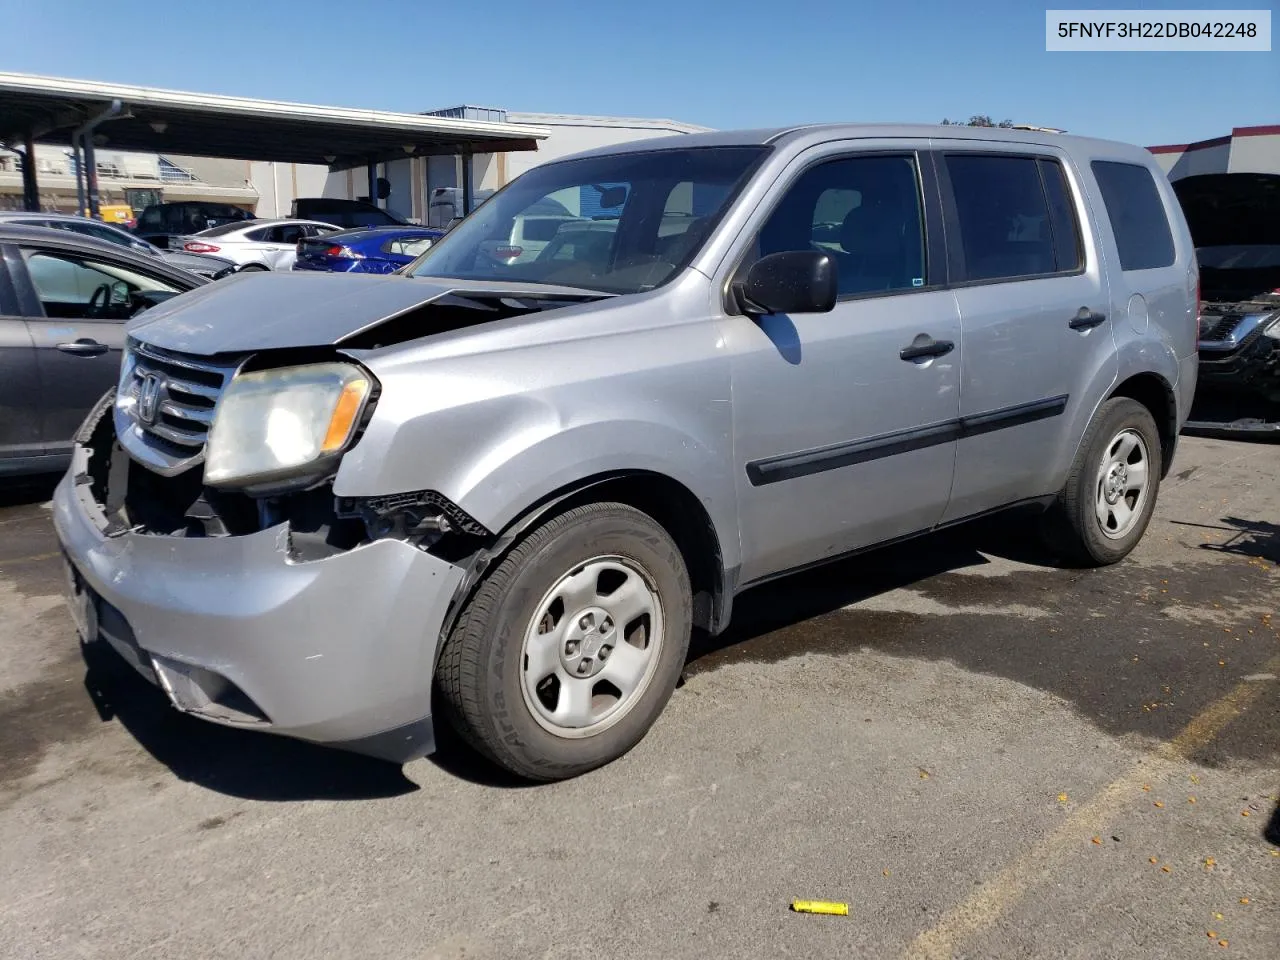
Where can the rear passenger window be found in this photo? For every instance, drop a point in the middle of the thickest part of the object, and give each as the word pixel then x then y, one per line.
pixel 1006 228
pixel 1137 215
pixel 865 213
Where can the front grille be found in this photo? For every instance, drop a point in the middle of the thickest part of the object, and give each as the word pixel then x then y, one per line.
pixel 1216 329
pixel 167 401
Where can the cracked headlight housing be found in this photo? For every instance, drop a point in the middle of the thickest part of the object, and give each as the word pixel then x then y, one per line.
pixel 281 427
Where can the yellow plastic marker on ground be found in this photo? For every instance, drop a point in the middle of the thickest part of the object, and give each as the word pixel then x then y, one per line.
pixel 820 906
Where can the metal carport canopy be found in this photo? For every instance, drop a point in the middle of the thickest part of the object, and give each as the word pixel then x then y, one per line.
pixel 152 120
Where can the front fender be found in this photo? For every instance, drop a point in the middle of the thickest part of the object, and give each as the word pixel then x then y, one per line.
pixel 499 488
pixel 536 458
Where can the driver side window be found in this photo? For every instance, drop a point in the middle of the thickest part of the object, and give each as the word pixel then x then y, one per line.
pixel 864 212
pixel 77 288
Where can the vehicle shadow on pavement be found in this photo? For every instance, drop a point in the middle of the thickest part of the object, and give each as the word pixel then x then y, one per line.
pixel 239 763
pixel 799 597
pixel 1137 649
pixel 454 758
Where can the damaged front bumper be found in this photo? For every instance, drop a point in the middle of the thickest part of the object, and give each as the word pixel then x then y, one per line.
pixel 1240 350
pixel 237 630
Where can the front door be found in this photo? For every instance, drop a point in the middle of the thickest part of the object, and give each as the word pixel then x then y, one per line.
pixel 77 326
pixel 845 421
pixel 19 383
pixel 1034 309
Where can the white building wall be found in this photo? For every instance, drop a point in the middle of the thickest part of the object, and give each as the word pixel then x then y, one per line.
pixel 279 184
pixel 573 134
pixel 399 174
pixel 1167 161
pixel 1255 154
pixel 1200 160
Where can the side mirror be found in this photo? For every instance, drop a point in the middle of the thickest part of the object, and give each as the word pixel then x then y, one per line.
pixel 793 281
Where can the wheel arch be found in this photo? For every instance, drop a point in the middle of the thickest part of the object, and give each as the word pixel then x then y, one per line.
pixel 671 503
pixel 1156 394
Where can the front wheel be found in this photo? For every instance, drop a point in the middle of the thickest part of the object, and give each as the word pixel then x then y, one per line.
pixel 571 647
pixel 1110 494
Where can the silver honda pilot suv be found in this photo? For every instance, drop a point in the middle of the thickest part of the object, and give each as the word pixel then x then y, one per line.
pixel 502 491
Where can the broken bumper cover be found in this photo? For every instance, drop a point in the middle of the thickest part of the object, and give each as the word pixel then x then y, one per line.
pixel 338 651
pixel 1247 360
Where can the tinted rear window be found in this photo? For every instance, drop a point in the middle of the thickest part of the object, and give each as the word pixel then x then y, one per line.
pixel 1005 228
pixel 1137 215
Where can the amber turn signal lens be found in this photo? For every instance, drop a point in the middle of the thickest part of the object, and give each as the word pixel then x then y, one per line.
pixel 345 413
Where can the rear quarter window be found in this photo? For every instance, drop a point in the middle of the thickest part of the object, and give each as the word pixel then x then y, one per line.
pixel 1137 214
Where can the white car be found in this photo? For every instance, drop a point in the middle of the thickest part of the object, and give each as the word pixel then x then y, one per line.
pixel 257 244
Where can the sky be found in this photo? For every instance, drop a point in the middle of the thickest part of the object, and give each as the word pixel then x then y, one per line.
pixel 717 63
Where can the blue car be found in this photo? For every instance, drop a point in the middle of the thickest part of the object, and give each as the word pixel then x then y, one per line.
pixel 365 250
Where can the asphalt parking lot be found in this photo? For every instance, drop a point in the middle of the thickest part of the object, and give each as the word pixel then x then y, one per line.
pixel 984 756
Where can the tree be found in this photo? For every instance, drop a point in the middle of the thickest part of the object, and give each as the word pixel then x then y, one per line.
pixel 977 120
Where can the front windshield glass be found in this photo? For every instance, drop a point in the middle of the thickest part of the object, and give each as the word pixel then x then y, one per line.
pixel 621 223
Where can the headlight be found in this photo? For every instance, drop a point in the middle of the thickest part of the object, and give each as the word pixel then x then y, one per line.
pixel 1272 328
pixel 276 425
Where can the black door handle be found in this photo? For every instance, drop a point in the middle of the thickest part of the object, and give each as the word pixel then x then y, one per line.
pixel 84 347
pixel 924 347
pixel 1087 319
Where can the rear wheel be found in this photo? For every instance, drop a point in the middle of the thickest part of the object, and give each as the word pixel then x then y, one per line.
pixel 253 268
pixel 1110 494
pixel 569 650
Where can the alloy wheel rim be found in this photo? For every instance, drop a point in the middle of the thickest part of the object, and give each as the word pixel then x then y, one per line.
pixel 591 648
pixel 1123 482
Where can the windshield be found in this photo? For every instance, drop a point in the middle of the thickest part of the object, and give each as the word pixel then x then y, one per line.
pixel 621 223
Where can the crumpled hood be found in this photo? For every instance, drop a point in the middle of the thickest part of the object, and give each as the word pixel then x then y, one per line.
pixel 1229 209
pixel 266 311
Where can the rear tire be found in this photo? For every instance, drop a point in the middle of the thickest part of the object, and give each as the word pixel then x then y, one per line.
pixel 570 649
pixel 253 268
pixel 1105 505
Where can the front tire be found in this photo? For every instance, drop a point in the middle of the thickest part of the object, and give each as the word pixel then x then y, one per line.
pixel 1106 504
pixel 570 649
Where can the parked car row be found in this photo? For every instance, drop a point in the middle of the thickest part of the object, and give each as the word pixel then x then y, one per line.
pixel 211 267
pixel 64 302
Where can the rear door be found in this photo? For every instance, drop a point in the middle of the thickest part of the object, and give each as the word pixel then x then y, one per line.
pixel 19 381
pixel 1037 342
pixel 281 245
pixel 77 305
